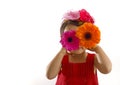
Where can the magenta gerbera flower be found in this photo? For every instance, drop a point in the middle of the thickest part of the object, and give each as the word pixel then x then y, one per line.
pixel 69 40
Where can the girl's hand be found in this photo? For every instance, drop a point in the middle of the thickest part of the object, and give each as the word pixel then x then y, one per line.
pixel 63 50
pixel 93 48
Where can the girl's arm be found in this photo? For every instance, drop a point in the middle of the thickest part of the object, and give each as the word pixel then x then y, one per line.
pixel 55 65
pixel 102 62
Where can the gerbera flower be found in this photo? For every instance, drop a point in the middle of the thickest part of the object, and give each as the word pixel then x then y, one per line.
pixel 71 15
pixel 69 40
pixel 85 16
pixel 88 34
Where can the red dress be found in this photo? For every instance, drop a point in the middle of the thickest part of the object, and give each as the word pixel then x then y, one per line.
pixel 77 73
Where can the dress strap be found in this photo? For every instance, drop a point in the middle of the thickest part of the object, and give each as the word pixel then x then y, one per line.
pixel 65 59
pixel 90 58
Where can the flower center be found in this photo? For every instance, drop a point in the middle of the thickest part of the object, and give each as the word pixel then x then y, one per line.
pixel 87 36
pixel 70 39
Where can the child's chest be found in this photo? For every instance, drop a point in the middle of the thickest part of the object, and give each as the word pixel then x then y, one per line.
pixel 77 69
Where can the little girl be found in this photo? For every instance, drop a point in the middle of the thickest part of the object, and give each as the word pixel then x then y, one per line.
pixel 78 67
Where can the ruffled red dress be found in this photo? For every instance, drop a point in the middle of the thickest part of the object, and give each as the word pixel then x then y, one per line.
pixel 77 73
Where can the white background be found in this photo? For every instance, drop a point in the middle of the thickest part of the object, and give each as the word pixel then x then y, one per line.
pixel 29 37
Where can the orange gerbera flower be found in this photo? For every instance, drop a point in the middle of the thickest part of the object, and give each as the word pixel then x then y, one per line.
pixel 88 34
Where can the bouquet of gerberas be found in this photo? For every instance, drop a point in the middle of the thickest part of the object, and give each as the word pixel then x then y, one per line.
pixel 80 15
pixel 86 35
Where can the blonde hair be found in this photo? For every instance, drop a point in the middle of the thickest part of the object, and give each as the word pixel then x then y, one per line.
pixel 68 22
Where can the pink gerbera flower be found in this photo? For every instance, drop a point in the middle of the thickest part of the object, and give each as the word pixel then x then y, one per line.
pixel 72 15
pixel 69 40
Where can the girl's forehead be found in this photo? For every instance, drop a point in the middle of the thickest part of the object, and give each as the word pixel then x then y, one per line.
pixel 70 27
